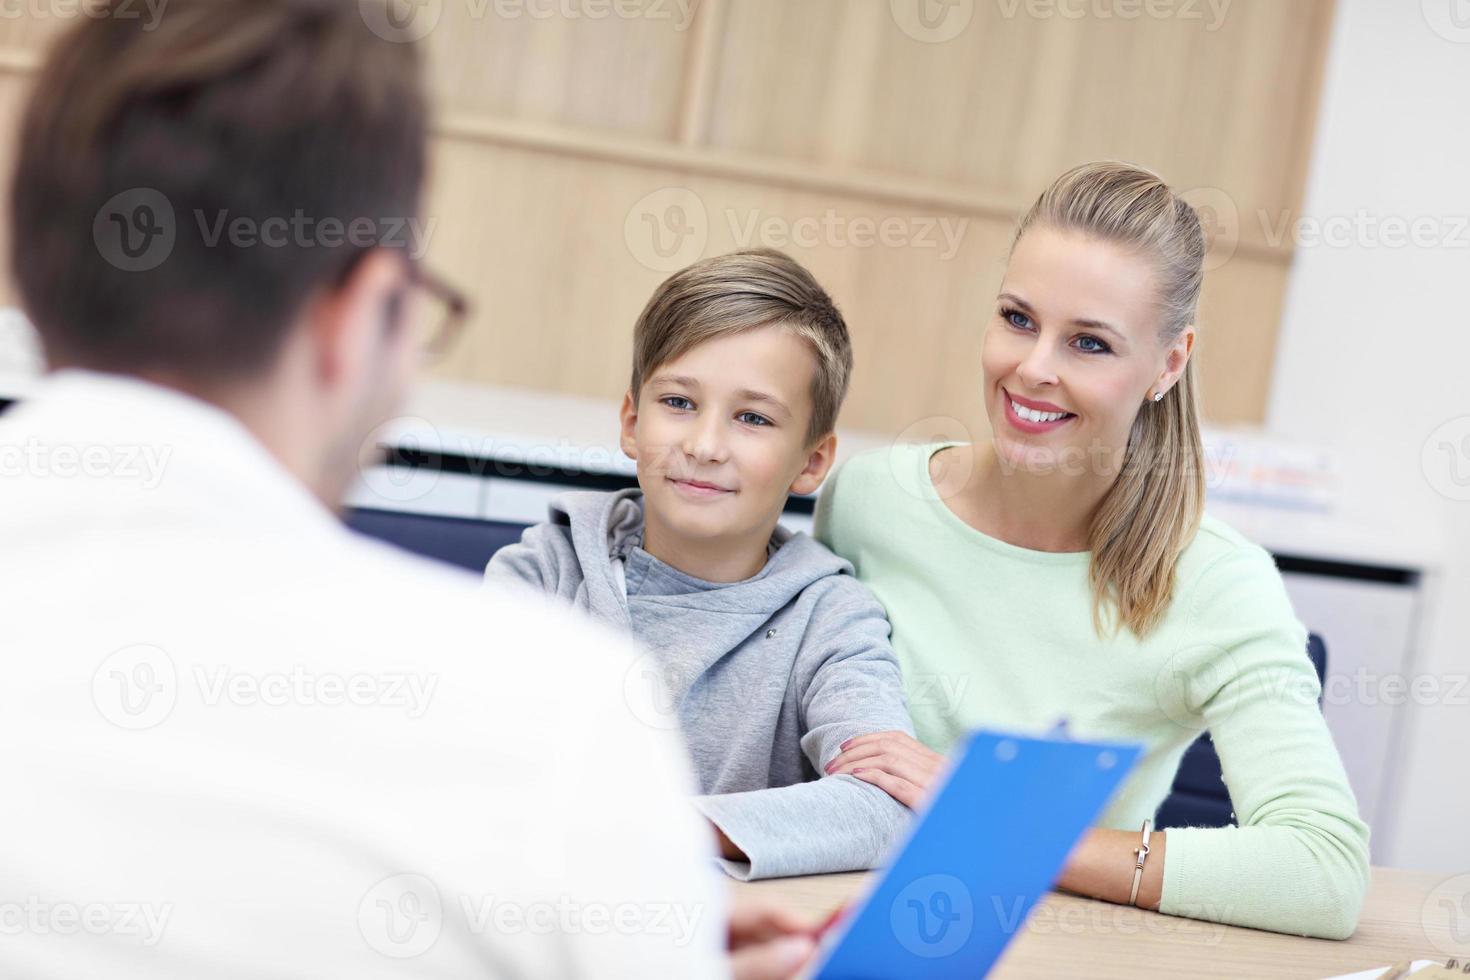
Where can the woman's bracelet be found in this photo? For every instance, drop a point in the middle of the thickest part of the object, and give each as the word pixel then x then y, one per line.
pixel 1142 851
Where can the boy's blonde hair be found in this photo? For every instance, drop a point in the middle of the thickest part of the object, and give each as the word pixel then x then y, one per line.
pixel 1152 511
pixel 742 291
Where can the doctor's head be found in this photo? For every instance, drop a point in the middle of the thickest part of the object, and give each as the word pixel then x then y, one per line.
pixel 226 200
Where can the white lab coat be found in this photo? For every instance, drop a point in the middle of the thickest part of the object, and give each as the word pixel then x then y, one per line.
pixel 240 741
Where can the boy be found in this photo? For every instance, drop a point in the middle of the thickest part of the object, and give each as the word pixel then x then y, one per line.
pixel 771 650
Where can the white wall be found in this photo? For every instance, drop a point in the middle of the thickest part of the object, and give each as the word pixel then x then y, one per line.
pixel 1374 357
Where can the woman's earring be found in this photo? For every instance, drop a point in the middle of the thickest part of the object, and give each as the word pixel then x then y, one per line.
pixel 1158 396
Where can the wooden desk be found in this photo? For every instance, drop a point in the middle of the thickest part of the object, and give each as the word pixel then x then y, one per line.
pixel 1066 936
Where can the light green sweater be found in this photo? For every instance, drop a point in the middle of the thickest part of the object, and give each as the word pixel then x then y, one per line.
pixel 990 634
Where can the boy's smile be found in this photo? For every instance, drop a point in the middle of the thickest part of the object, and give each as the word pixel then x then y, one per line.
pixel 699 490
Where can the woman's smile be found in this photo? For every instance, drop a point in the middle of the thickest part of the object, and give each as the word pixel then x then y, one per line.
pixel 1033 416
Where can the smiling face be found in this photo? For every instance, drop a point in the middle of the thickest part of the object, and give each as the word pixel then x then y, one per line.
pixel 1074 352
pixel 720 435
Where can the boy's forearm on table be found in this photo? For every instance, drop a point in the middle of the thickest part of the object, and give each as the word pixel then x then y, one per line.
pixel 843 823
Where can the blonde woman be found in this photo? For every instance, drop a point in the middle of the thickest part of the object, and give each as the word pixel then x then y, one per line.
pixel 1064 569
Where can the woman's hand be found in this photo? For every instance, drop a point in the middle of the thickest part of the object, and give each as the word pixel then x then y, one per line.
pixel 895 762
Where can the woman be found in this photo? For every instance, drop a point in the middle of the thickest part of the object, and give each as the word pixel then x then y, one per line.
pixel 1065 570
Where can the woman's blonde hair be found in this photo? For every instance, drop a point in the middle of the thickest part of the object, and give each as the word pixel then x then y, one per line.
pixel 1153 509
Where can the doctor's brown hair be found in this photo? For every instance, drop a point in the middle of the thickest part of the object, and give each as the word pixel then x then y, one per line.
pixel 222 110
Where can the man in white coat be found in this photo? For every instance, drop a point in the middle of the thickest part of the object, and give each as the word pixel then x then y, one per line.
pixel 239 740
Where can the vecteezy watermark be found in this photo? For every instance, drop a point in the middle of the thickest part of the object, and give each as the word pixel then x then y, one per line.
pixel 405 437
pixel 1219 219
pixel 136 687
pixel 1445 459
pixel 568 916
pixel 932 21
pixel 139 686
pixel 1366 687
pixel 942 234
pixel 660 688
pixel 1445 916
pixel 1450 19
pixel 933 916
pixel 943 694
pixel 131 920
pixel 1211 13
pixel 141 464
pixel 1202 686
pixel 1104 919
pixel 407 21
pixel 301 230
pixel 1194 677
pixel 401 21
pixel 1098 459
pixel 1223 223
pixel 931 475
pixel 135 230
pixel 1364 229
pixel 403 915
pixel 300 687
pixel 149 11
pixel 669 228
pixel 653 691
pixel 138 229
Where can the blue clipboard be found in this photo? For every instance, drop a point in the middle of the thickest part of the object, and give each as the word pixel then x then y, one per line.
pixel 991 840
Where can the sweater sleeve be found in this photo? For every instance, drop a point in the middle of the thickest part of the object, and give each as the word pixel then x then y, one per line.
pixel 533 561
pixel 848 681
pixel 1298 860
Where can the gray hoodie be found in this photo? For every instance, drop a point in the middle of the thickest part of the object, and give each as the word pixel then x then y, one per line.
pixel 767 677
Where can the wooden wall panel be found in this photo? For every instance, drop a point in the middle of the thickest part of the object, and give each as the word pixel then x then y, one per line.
pixel 1013 101
pixel 1239 311
pixel 564 142
pixel 620 73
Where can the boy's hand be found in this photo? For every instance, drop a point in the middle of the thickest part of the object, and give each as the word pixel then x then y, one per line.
pixel 895 762
pixel 728 849
pixel 767 942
